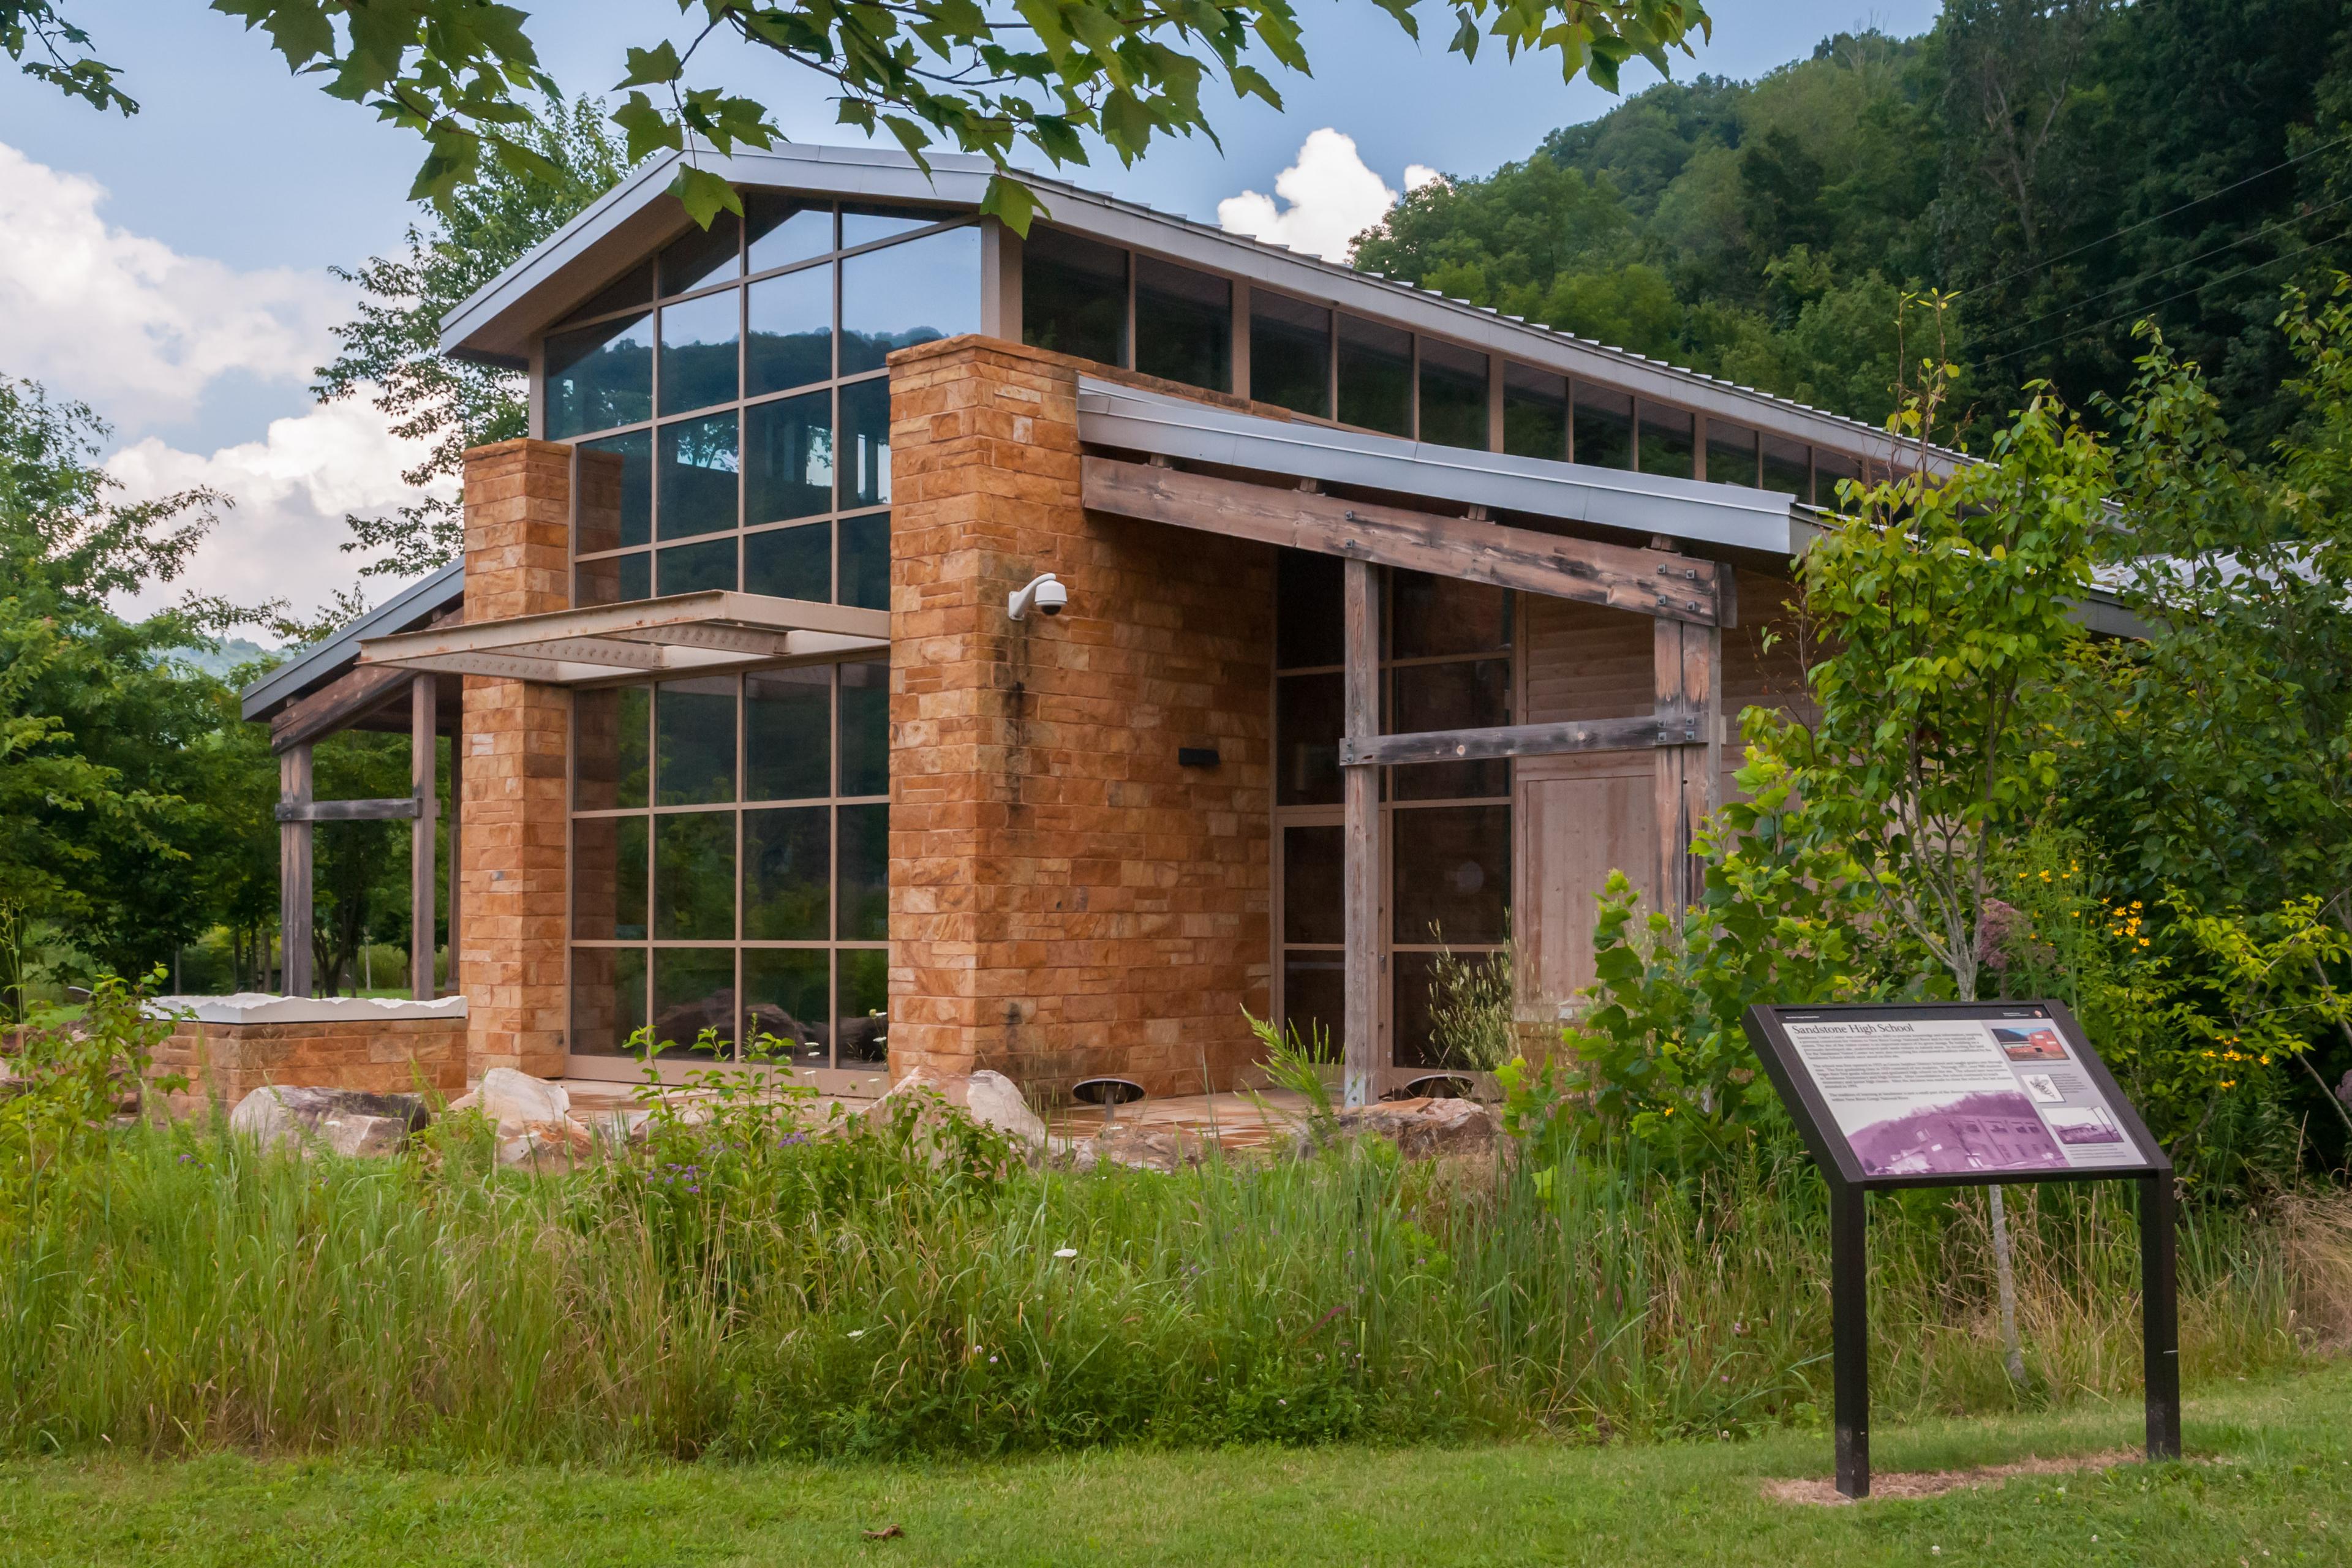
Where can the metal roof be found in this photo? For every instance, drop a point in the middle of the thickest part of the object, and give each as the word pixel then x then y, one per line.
pixel 638 215
pixel 1111 414
pixel 329 656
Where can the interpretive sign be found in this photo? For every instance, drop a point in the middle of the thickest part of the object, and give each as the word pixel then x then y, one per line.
pixel 1952 1095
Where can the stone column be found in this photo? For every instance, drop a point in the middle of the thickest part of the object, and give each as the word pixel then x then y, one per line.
pixel 512 948
pixel 1067 898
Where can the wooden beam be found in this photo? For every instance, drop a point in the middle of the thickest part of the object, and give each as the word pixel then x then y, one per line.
pixel 1360 836
pixel 294 870
pixel 349 697
pixel 424 716
pixel 456 820
pixel 1638 733
pixel 1687 663
pixel 396 809
pixel 1651 582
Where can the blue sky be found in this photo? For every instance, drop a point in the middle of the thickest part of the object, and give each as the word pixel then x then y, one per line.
pixel 170 268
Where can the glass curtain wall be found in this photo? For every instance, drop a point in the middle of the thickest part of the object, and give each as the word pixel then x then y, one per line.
pixel 730 406
pixel 1446 664
pixel 730 863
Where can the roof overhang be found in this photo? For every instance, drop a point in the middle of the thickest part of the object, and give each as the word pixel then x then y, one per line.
pixel 686 633
pixel 438 594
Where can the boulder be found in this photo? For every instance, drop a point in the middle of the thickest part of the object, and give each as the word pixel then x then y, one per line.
pixel 988 1097
pixel 562 1145
pixel 504 1095
pixel 1426 1129
pixel 342 1121
pixel 1134 1148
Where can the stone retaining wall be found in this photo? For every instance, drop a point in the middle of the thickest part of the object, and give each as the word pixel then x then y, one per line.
pixel 236 1045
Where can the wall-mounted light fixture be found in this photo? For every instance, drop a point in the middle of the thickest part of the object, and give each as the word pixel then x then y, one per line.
pixel 1044 592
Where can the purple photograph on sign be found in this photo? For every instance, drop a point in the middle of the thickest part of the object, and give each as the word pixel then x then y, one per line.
pixel 1974 1133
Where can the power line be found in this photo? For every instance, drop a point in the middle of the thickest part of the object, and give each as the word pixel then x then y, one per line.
pixel 2159 217
pixel 2168 299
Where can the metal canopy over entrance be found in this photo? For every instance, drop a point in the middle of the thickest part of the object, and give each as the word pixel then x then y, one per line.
pixel 686 633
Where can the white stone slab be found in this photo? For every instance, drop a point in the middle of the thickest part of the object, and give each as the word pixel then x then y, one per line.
pixel 260 1007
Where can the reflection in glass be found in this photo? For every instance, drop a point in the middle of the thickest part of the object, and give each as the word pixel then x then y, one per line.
pixel 1452 873
pixel 608 878
pixel 697 353
pixel 1314 997
pixel 1605 427
pixel 1074 296
pixel 616 493
pixel 866 727
pixel 865 561
pixel 788 460
pixel 864 878
pixel 1311 911
pixel 1535 412
pixel 788 735
pixel 697 475
pixel 1375 376
pixel 1787 467
pixel 791 331
pixel 864 463
pixel 694 991
pixel 787 874
pixel 1731 453
pixel 1306 725
pixel 791 563
pixel 701 255
pixel 1669 441
pixel 1453 395
pixel 694 733
pixel 865 1006
pixel 608 727
pixel 1290 353
pixel 863 223
pixel 1828 470
pixel 1410 998
pixel 694 876
pixel 1310 600
pixel 613 580
pixel 1446 615
pixel 906 294
pixel 1472 695
pixel 608 999
pixel 697 568
pixel 785 229
pixel 784 997
pixel 633 287
pixel 600 377
pixel 1183 324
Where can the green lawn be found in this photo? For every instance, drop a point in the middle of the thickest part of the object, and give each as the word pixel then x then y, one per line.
pixel 2269 1481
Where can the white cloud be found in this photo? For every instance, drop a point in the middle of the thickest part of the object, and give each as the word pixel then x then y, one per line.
pixel 292 490
pixel 1332 197
pixel 1416 175
pixel 124 322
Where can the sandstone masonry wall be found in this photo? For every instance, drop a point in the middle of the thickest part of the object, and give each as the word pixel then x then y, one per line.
pixel 1066 901
pixel 225 1062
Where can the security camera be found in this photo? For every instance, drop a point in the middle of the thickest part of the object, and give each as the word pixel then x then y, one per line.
pixel 1043 592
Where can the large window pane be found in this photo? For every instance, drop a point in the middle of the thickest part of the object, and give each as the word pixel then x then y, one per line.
pixel 1452 873
pixel 785 229
pixel 697 479
pixel 1310 604
pixel 698 340
pixel 865 561
pixel 633 287
pixel 791 331
pixel 608 878
pixel 616 493
pixel 697 568
pixel 600 376
pixel 613 580
pixel 788 458
pixel 1535 412
pixel 1668 441
pixel 694 876
pixel 906 294
pixel 1306 725
pixel 608 727
pixel 1830 469
pixel 1411 998
pixel 1074 296
pixel 1314 998
pixel 791 563
pixel 1731 453
pixel 1437 616
pixel 866 727
pixel 787 874
pixel 864 466
pixel 785 997
pixel 863 223
pixel 864 872
pixel 1471 695
pixel 694 991
pixel 1453 395
pixel 1290 353
pixel 788 735
pixel 1605 427
pixel 694 732
pixel 1375 376
pixel 1183 324
pixel 1311 910
pixel 1789 467
pixel 608 999
pixel 865 1006
pixel 701 255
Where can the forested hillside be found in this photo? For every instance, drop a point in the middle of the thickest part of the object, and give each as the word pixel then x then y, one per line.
pixel 2066 167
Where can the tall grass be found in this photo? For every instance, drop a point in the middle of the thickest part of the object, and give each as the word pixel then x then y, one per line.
pixel 857 1294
